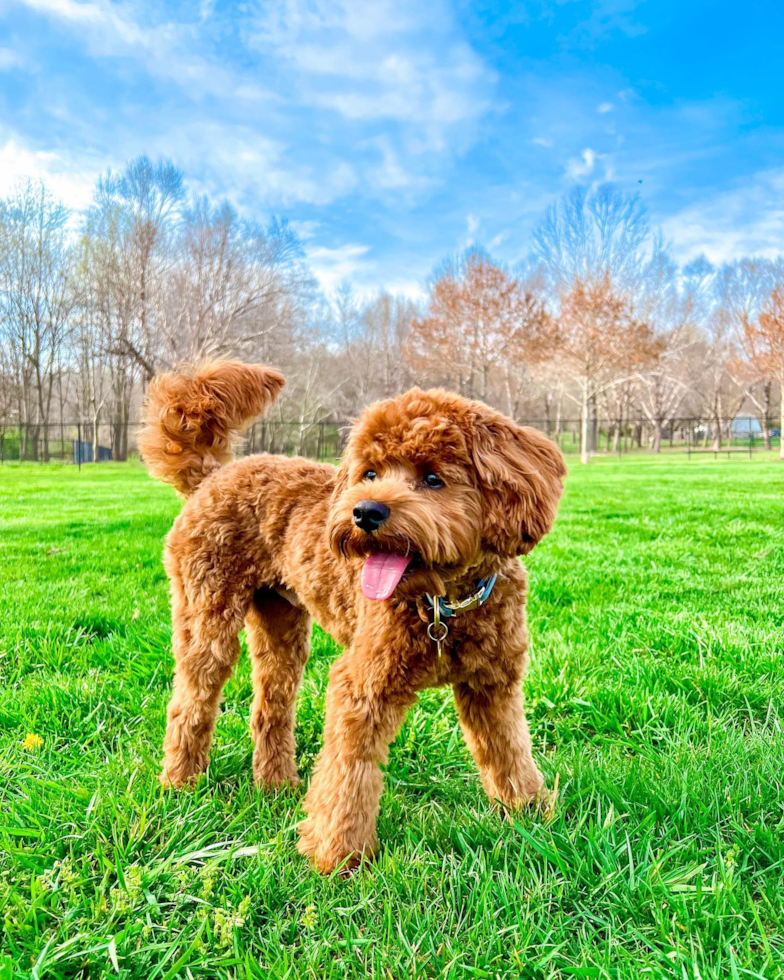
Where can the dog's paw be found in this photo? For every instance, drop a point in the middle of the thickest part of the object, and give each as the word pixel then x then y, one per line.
pixel 172 779
pixel 267 785
pixel 542 802
pixel 327 854
pixel 275 775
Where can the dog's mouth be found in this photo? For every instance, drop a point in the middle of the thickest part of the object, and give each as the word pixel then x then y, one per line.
pixel 383 571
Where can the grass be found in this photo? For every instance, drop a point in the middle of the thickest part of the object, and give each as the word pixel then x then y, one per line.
pixel 655 693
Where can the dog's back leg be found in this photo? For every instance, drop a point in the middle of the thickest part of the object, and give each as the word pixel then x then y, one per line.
pixel 279 639
pixel 206 624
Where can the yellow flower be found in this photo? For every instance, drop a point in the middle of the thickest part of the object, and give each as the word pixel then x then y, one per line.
pixel 32 742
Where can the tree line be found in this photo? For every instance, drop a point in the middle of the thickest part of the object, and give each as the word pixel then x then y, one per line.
pixel 598 321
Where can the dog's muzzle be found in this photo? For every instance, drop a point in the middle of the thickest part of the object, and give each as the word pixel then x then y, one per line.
pixel 369 515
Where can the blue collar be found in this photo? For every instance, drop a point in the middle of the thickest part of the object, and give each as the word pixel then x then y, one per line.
pixel 478 597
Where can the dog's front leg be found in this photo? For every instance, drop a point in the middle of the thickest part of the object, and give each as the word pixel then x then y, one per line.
pixel 497 734
pixel 364 713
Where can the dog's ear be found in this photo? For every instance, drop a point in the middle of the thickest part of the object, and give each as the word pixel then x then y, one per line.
pixel 520 473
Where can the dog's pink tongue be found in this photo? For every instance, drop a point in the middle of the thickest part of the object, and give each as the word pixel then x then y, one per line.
pixel 381 573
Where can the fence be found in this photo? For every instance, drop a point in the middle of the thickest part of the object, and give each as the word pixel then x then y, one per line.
pixel 81 442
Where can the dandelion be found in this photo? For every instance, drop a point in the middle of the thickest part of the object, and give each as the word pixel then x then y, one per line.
pixel 32 742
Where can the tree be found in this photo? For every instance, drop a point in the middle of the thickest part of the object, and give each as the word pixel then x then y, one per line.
pixel 592 236
pixel 596 252
pixel 479 318
pixel 736 290
pixel 141 204
pixel 669 309
pixel 37 297
pixel 765 339
pixel 746 286
pixel 232 287
pixel 599 337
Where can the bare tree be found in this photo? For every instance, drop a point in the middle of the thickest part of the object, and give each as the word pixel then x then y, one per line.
pixel 143 203
pixel 233 288
pixel 670 310
pixel 387 323
pixel 37 296
pixel 593 236
pixel 746 288
pixel 596 251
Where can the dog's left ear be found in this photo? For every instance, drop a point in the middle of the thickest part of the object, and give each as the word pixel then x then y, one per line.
pixel 521 476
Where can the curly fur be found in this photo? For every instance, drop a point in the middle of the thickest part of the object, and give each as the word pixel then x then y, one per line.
pixel 269 542
pixel 190 419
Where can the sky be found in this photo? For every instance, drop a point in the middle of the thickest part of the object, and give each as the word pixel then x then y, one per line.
pixel 393 134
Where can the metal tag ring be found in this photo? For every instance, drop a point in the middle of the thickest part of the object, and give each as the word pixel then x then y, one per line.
pixel 442 637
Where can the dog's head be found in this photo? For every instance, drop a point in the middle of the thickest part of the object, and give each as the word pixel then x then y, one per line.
pixel 431 483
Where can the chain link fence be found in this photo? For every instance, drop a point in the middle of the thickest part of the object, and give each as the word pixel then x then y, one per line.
pixel 83 442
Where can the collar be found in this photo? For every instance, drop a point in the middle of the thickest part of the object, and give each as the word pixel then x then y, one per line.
pixel 478 597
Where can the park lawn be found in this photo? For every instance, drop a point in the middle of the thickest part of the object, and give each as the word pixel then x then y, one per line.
pixel 656 694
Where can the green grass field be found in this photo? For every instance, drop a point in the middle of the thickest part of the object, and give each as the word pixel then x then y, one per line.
pixel 656 692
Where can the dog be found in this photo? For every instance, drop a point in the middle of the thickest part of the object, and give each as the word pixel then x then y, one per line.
pixel 407 554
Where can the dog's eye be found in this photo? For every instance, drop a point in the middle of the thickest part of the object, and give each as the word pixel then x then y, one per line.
pixel 369 475
pixel 432 481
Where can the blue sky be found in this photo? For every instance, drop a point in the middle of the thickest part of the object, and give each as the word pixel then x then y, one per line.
pixel 394 133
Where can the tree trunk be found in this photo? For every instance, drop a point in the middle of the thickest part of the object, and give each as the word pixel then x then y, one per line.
pixel 765 414
pixel 657 434
pixel 585 449
pixel 718 422
pixel 781 420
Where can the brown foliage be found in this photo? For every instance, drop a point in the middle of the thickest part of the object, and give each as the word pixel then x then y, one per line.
pixel 477 318
pixel 600 336
pixel 764 338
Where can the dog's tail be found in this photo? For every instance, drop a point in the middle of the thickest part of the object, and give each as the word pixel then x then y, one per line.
pixel 190 419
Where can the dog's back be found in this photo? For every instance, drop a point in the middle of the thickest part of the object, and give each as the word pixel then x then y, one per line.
pixel 190 419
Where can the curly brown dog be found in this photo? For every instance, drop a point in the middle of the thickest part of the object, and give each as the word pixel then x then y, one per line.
pixel 413 539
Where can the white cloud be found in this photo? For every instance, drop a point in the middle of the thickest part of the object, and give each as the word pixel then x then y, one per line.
pixel 401 61
pixel 604 107
pixel 390 173
pixel 542 141
pixel 396 64
pixel 411 288
pixel 69 180
pixel 331 266
pixel 748 219
pixel 10 59
pixel 164 49
pixel 236 162
pixel 305 230
pixel 583 165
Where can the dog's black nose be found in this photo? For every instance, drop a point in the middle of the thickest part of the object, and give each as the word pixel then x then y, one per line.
pixel 369 515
